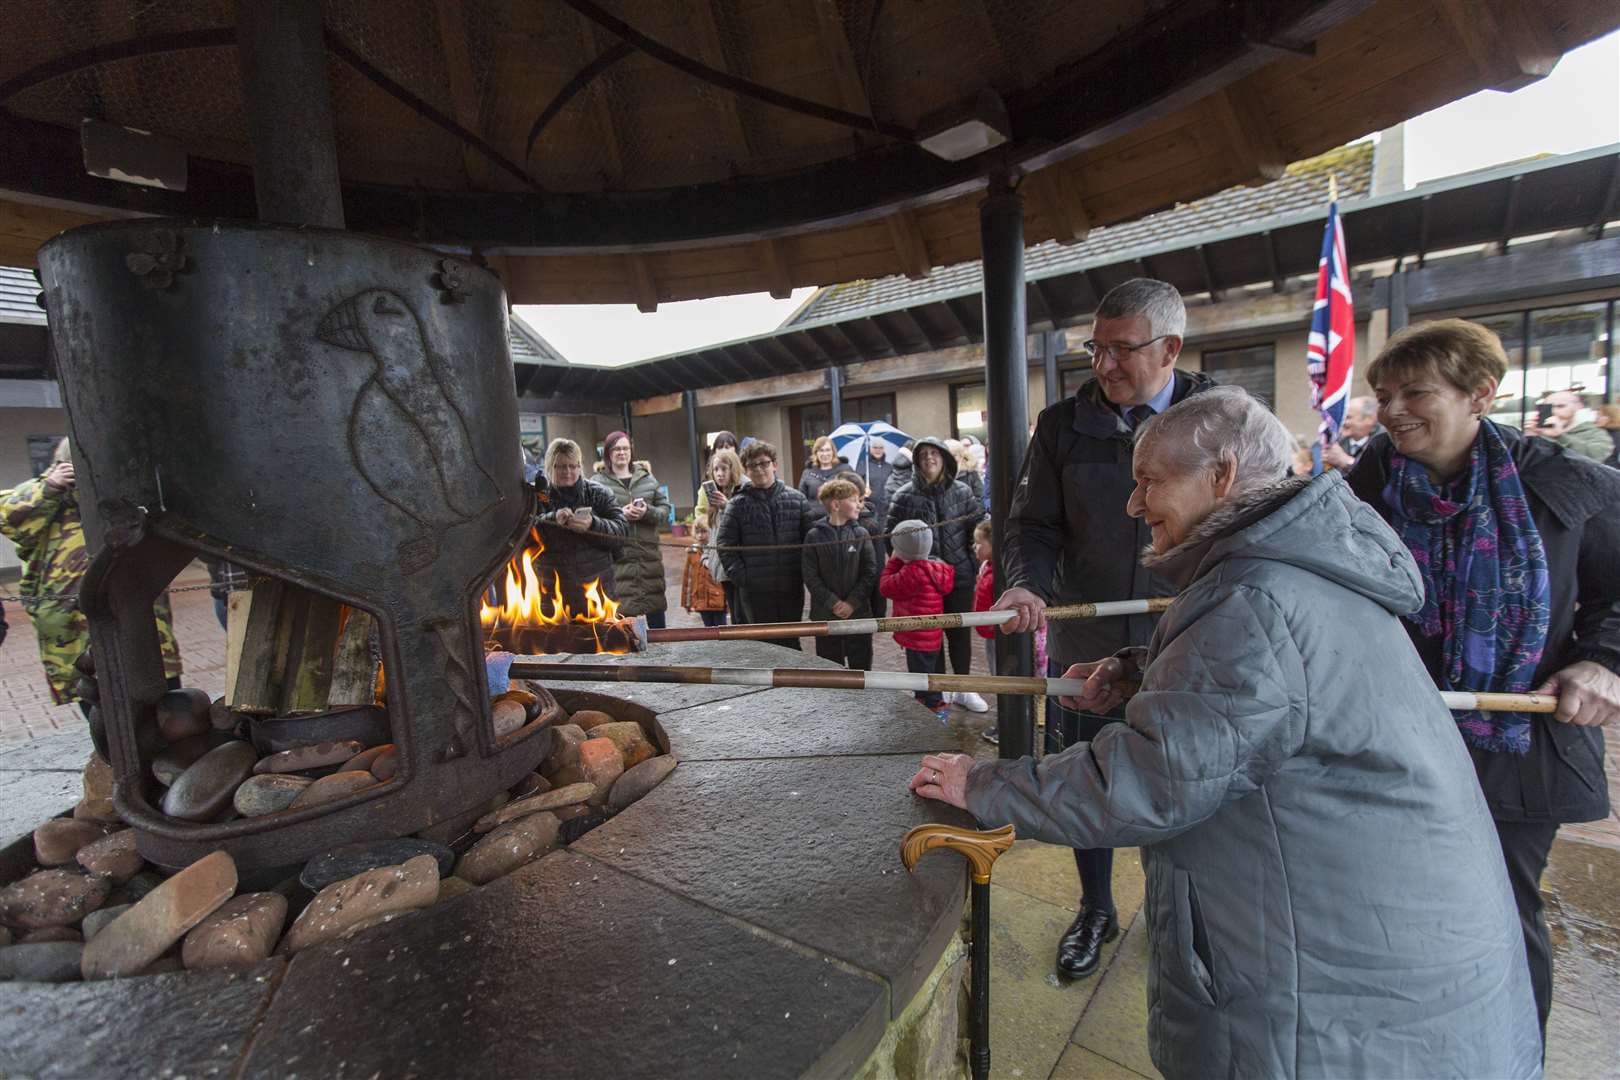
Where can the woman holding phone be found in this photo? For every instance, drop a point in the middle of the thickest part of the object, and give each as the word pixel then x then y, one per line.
pixel 580 524
pixel 639 567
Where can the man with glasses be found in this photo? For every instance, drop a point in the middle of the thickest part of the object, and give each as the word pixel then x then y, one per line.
pixel 773 517
pixel 1069 539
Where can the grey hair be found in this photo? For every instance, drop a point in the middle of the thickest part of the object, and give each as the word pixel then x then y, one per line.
pixel 561 448
pixel 1157 300
pixel 1364 405
pixel 1224 422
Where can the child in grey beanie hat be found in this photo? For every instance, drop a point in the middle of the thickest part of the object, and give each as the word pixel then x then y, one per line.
pixel 912 539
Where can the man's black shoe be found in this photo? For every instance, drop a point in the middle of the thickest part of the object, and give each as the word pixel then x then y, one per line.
pixel 1080 948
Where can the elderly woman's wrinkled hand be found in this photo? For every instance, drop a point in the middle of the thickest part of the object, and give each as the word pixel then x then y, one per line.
pixel 1588 694
pixel 1104 689
pixel 943 777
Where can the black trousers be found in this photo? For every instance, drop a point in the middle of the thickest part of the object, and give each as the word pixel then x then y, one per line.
pixel 713 618
pixel 1064 728
pixel 959 642
pixel 925 663
pixel 773 606
pixel 853 651
pixel 1525 847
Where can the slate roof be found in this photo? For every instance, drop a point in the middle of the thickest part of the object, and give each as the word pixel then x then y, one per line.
pixel 1304 186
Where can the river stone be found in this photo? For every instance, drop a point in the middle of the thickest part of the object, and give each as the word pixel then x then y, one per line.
pixel 587 719
pixel 530 703
pixel 638 780
pixel 546 800
pixel 629 738
pixel 267 793
pixel 331 788
pixel 52 898
pixel 565 740
pixel 310 757
pixel 182 714
pixel 56 841
pixel 98 778
pixel 161 918
pixel 507 717
pixel 452 887
pixel 177 757
pixel 572 774
pixel 102 810
pixel 136 888
pixel 343 905
pixel 48 962
pixel 365 758
pixel 50 933
pixel 241 933
pixel 509 847
pixel 566 814
pixel 602 764
pixel 221 717
pixel 533 784
pixel 97 920
pixel 578 827
pixel 386 765
pixel 203 792
pixel 113 856
pixel 351 859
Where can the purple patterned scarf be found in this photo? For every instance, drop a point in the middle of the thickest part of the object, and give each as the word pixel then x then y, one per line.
pixel 1485 585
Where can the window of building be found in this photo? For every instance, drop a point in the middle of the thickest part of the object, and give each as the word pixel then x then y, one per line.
pixel 41 448
pixel 1254 368
pixel 1072 379
pixel 807 423
pixel 970 411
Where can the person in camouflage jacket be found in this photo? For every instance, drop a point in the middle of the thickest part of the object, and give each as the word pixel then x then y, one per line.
pixel 41 517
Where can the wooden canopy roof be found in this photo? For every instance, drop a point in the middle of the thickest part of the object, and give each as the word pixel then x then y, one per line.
pixel 655 150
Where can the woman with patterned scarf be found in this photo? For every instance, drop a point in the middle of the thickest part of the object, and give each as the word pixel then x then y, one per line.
pixel 1518 544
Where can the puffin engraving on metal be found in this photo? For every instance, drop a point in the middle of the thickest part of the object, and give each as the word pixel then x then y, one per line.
pixel 451 282
pixel 458 676
pixel 161 257
pixel 405 425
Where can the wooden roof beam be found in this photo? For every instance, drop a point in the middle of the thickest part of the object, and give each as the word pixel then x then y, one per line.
pixel 1507 40
pixel 452 21
pixel 1272 263
pixel 910 316
pixel 840 59
pixel 909 246
pixel 1249 136
pixel 1057 197
pixel 589 48
pixel 639 273
pixel 773 264
pixel 1043 304
pixel 705 29
pixel 1510 214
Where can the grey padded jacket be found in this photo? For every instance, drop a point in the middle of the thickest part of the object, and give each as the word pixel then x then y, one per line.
pixel 1325 890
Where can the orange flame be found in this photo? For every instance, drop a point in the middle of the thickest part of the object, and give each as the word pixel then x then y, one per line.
pixel 527 608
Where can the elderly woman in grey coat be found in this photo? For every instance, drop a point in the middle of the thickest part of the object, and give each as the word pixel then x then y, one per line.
pixel 1325 894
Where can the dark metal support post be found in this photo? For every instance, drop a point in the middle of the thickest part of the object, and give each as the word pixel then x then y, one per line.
pixel 694 448
pixel 1525 327
pixel 624 418
pixel 835 394
pixel 1399 315
pixel 281 49
pixel 1608 343
pixel 1006 378
pixel 1054 386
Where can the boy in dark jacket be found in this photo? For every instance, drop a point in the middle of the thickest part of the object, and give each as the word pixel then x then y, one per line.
pixel 839 568
pixel 919 585
pixel 773 517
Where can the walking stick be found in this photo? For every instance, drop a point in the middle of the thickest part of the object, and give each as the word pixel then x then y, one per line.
pixel 895 624
pixel 980 849
pixel 534 667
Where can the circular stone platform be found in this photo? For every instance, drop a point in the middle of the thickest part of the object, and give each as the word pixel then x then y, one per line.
pixel 749 917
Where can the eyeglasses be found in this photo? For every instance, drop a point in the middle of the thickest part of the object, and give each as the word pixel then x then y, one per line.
pixel 762 465
pixel 1117 352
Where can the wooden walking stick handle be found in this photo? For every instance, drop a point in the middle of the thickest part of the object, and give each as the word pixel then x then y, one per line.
pixel 979 847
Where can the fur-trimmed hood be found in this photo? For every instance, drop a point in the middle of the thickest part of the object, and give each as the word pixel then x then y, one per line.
pixel 1315 523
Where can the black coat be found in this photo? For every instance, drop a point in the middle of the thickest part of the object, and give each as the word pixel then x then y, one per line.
pixel 762 516
pixel 899 477
pixel 943 500
pixel 846 571
pixel 876 474
pixel 1068 539
pixel 577 557
pixel 1575 503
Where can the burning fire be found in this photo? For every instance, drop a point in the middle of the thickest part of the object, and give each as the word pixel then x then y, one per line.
pixel 531 618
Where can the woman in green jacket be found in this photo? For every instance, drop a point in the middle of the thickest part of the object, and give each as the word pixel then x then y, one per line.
pixel 639 567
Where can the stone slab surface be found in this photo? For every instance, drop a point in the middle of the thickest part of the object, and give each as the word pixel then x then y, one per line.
pixel 807 848
pixel 68 750
pixel 28 798
pixel 567 968
pixel 192 1024
pixel 784 723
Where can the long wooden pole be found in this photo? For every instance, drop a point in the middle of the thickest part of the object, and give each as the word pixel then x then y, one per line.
pixel 895 624
pixel 533 667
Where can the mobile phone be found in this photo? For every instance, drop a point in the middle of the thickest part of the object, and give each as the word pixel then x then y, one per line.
pixel 1544 412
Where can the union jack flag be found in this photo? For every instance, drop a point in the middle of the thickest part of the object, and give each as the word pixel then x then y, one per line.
pixel 1330 355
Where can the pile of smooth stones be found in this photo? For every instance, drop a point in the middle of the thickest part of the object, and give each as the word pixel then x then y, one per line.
pixel 90 907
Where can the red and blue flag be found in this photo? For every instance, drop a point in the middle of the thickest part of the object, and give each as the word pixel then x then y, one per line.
pixel 1331 352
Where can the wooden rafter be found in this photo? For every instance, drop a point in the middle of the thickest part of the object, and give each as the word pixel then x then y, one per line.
pixel 639 273
pixel 1507 40
pixel 1251 140
pixel 590 46
pixel 452 19
pixel 1057 197
pixel 840 59
pixel 705 27
pixel 773 264
pixel 909 246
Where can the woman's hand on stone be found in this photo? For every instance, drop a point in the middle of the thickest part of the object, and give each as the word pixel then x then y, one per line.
pixel 1104 689
pixel 1030 611
pixel 1588 694
pixel 943 777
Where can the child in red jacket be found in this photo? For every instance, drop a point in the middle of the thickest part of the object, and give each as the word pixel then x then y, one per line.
pixel 918 585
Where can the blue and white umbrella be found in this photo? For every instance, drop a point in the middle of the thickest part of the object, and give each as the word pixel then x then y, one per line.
pixel 854 441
